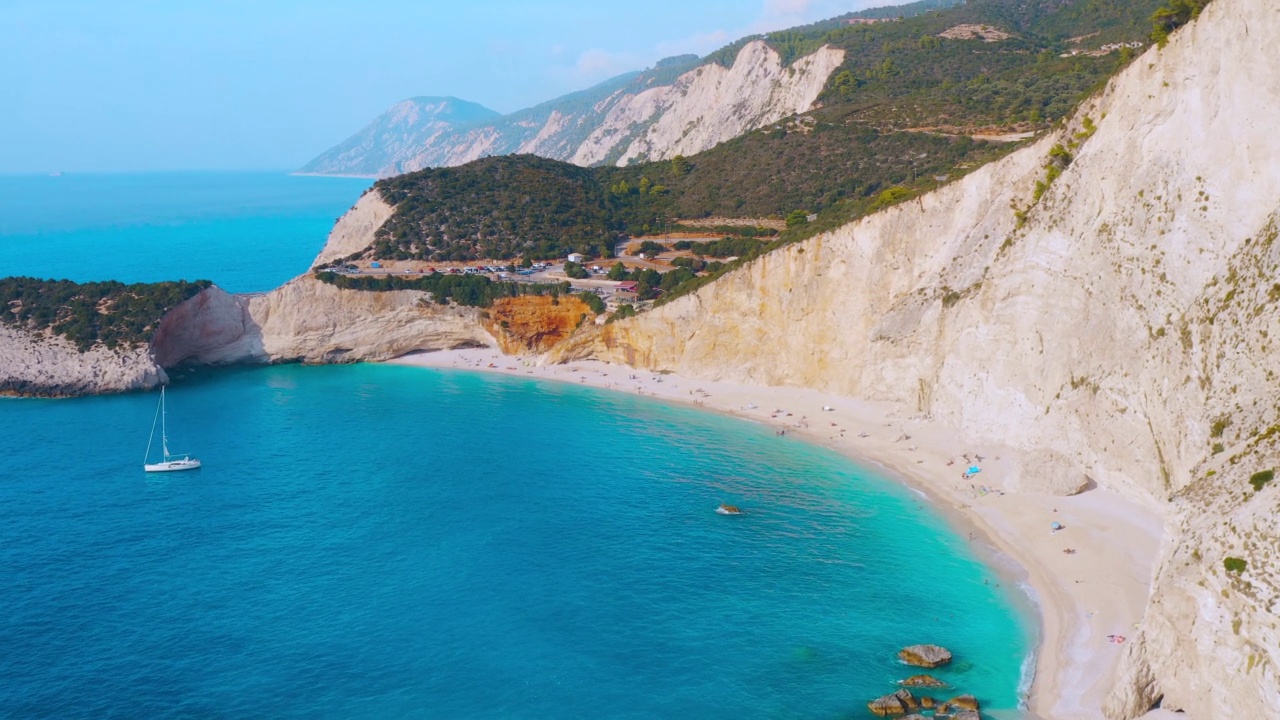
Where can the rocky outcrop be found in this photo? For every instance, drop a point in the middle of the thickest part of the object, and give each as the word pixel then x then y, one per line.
pixel 303 321
pixel 310 321
pixel 1118 330
pixel 960 702
pixel 893 704
pixel 926 656
pixel 713 104
pixel 925 681
pixel 534 323
pixel 355 230
pixel 212 328
pixel 43 364
pixel 681 106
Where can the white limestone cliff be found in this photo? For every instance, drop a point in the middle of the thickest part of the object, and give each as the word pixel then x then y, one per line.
pixel 48 365
pixel 1100 339
pixel 713 104
pixel 355 229
pixel 650 116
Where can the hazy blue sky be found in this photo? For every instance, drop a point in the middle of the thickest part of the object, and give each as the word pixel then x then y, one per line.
pixel 148 85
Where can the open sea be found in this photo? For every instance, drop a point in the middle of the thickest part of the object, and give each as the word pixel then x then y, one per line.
pixel 393 542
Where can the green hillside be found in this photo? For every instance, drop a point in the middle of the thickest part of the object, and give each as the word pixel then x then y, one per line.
pixel 904 113
pixel 110 313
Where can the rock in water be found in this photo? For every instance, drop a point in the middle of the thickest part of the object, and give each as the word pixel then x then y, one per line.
pixel 928 656
pixel 963 702
pixel 928 681
pixel 895 704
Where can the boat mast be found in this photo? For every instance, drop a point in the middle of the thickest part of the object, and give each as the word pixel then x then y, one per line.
pixel 164 432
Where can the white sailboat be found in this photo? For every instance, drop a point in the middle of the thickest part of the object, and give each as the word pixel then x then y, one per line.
pixel 170 462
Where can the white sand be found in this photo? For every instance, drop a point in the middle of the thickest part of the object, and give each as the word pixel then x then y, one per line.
pixel 1099 590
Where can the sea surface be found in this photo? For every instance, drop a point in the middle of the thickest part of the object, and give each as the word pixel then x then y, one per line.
pixel 248 232
pixel 385 541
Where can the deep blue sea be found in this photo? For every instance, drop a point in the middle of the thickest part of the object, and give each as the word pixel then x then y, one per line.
pixel 249 232
pixel 394 542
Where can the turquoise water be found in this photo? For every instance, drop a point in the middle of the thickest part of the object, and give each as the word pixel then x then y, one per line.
pixel 384 541
pixel 249 232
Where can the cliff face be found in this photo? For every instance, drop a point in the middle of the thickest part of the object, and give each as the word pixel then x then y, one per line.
pixel 712 104
pixel 1101 338
pixel 48 365
pixel 679 107
pixel 355 229
pixel 534 323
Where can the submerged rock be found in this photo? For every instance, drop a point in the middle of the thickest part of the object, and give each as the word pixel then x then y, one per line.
pixel 962 702
pixel 928 681
pixel 897 703
pixel 928 656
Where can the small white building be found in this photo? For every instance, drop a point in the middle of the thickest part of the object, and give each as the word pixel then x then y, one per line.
pixel 576 257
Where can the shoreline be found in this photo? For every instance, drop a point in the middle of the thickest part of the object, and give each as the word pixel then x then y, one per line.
pixel 1078 599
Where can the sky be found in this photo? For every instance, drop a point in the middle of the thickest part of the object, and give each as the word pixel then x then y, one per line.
pixel 134 85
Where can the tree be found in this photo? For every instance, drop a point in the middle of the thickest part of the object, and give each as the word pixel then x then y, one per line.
pixel 576 271
pixel 797 217
pixel 617 272
pixel 680 166
pixel 1173 16
pixel 649 248
pixel 845 83
pixel 645 185
pixel 525 262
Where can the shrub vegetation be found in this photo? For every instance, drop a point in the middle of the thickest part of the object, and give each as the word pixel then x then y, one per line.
pixel 109 313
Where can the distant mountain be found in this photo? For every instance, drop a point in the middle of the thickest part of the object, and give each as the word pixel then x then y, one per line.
pixel 683 105
pixel 898 68
pixel 409 125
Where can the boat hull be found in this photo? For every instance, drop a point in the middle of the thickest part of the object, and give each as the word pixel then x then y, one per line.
pixel 172 466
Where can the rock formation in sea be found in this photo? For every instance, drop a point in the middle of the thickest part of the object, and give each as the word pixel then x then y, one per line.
pixel 926 656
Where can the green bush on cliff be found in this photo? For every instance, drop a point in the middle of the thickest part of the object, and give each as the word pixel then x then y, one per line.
pixel 1235 565
pixel 109 313
pixel 1173 16
pixel 1259 480
pixel 593 301
pixel 465 290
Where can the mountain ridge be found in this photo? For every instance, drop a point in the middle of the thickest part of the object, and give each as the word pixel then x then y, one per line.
pixel 601 123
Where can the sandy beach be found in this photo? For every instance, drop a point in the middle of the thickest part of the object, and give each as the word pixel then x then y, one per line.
pixel 1089 580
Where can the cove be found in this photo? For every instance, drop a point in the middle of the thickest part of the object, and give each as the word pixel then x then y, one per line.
pixel 385 541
